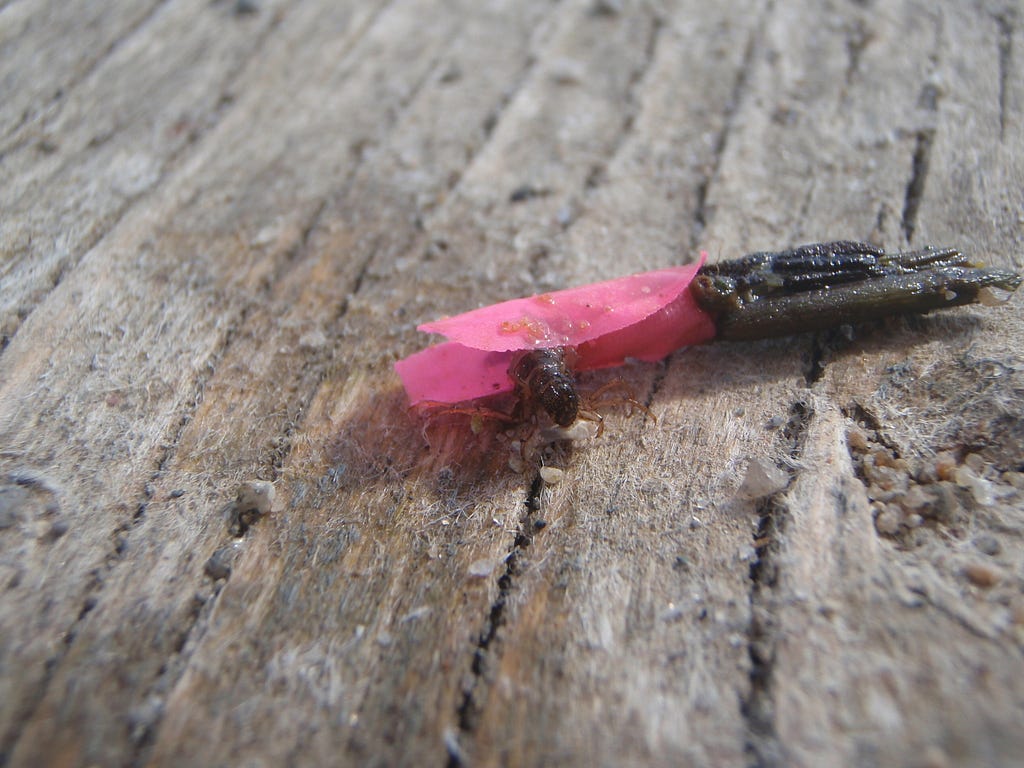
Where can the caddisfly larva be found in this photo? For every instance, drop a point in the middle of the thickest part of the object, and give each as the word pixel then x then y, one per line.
pixel 535 346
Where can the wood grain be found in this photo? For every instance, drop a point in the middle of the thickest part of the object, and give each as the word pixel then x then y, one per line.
pixel 222 223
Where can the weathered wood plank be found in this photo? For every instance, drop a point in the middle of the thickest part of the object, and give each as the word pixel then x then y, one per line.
pixel 142 318
pixel 112 136
pixel 235 317
pixel 47 48
pixel 426 526
pixel 870 615
pixel 841 616
pixel 633 552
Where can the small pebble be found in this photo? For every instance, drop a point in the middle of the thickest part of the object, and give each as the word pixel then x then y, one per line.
pixel 976 462
pixel 988 544
pixel 881 469
pixel 913 521
pixel 254 499
pixel 565 71
pixel 480 569
pixel 565 216
pixel 945 466
pixel 883 458
pixel 945 504
pixel 856 439
pixel 256 496
pixel 914 498
pixel 980 575
pixel 763 478
pixel 980 488
pixel 314 339
pixel 887 522
pixel 551 475
pixel 219 564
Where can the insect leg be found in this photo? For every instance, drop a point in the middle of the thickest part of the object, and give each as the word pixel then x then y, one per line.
pixel 432 409
pixel 626 396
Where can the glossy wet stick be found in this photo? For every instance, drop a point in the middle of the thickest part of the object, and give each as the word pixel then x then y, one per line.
pixel 830 284
pixel 535 345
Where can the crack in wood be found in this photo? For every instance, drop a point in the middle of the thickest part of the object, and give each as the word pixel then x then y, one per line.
pixel 597 172
pixel 660 372
pixel 453 180
pixel 857 39
pixel 862 416
pixel 823 345
pixel 493 118
pixel 915 186
pixel 1005 23
pixel 928 100
pixel 467 714
pixel 146 721
pixel 764 747
pixel 739 89
pixel 816 365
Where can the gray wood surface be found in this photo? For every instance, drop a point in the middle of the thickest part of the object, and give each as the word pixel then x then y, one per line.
pixel 220 223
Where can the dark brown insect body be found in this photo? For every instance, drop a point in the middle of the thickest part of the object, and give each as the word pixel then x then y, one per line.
pixel 545 377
